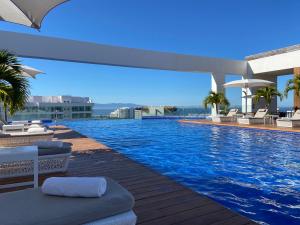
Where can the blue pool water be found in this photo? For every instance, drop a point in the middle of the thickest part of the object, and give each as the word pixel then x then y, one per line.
pixel 254 172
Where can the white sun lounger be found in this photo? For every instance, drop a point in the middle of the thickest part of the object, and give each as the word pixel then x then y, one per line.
pixel 24 122
pixel 290 122
pixel 31 206
pixel 259 118
pixel 12 128
pixel 228 118
pixel 24 138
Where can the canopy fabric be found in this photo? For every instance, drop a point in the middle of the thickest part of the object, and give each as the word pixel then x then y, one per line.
pixel 30 72
pixel 248 83
pixel 29 13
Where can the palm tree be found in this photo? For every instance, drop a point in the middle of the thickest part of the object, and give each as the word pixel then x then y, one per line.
pixel 267 93
pixel 170 109
pixel 14 88
pixel 10 60
pixel 215 99
pixel 293 85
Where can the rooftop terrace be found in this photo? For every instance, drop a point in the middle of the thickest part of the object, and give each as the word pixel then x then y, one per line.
pixel 159 200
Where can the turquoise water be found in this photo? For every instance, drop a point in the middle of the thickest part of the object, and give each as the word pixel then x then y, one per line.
pixel 253 172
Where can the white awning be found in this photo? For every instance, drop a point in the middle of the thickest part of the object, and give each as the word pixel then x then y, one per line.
pixel 248 83
pixel 28 71
pixel 27 12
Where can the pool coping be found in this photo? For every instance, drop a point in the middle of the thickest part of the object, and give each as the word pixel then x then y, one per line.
pixel 236 125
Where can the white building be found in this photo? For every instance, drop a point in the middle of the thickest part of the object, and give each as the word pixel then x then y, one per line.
pixel 153 111
pixel 123 113
pixel 55 107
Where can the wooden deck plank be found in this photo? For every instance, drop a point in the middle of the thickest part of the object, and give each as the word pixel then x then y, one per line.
pixel 159 200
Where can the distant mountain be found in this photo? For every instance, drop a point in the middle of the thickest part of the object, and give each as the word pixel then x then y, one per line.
pixel 113 106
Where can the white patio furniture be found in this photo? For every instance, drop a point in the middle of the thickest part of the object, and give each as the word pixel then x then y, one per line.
pixel 258 118
pixel 26 123
pixel 271 119
pixel 24 138
pixel 18 161
pixel 54 156
pixel 20 122
pixel 12 128
pixel 50 160
pixel 290 122
pixel 113 208
pixel 230 117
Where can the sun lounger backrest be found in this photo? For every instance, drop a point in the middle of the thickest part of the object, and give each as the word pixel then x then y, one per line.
pixel 18 122
pixel 296 115
pixel 261 113
pixel 1 124
pixel 232 112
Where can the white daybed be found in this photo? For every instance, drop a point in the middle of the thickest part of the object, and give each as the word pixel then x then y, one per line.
pixel 25 138
pixel 7 128
pixel 259 118
pixel 290 122
pixel 230 117
pixel 31 206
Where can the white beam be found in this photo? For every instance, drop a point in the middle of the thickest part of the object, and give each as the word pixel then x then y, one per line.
pixel 33 46
pixel 279 64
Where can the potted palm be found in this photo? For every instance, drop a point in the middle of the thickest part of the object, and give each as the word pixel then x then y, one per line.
pixel 170 110
pixel 215 100
pixel 294 85
pixel 14 87
pixel 267 93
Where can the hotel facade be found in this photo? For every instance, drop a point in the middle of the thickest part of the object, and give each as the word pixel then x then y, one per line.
pixel 54 107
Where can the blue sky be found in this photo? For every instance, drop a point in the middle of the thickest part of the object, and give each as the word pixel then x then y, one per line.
pixel 217 28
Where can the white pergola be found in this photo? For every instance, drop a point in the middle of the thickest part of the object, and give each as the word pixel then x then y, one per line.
pixel 33 46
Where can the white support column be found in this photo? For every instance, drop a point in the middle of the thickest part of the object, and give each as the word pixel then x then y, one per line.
pixel 217 82
pixel 246 96
pixel 247 100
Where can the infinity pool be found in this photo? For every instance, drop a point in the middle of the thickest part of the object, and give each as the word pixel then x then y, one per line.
pixel 253 172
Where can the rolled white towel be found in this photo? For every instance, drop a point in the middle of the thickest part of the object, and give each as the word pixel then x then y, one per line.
pixel 36 130
pixel 49 144
pixel 87 187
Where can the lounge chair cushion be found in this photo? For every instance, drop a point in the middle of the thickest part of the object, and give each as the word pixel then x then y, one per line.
pixel 36 130
pixel 32 207
pixel 66 148
pixel 36 122
pixel 49 144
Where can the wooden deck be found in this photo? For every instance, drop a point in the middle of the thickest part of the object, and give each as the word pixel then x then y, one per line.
pixel 235 124
pixel 159 200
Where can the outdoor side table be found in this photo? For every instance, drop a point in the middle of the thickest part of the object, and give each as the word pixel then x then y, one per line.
pixel 271 118
pixel 16 156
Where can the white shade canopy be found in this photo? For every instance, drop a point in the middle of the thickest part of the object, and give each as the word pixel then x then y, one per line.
pixel 248 83
pixel 27 12
pixel 28 71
